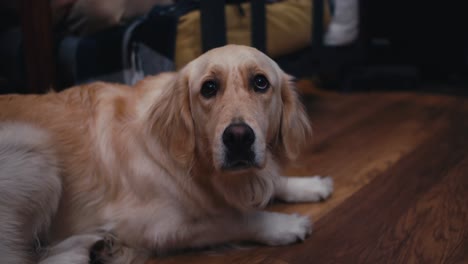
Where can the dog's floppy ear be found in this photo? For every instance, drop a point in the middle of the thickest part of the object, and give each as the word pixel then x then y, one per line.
pixel 295 125
pixel 172 120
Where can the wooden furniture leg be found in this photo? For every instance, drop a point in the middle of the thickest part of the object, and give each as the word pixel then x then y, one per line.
pixel 38 45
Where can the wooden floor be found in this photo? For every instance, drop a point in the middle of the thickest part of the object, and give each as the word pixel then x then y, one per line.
pixel 400 166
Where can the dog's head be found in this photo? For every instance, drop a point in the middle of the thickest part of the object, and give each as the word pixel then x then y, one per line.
pixel 234 106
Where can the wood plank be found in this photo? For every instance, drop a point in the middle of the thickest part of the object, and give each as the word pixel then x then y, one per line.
pixel 356 231
pixel 434 229
pixel 365 149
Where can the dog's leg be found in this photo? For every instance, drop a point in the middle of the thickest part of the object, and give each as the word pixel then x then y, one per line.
pixel 96 248
pixel 30 190
pixel 257 226
pixel 82 249
pixel 304 189
pixel 264 227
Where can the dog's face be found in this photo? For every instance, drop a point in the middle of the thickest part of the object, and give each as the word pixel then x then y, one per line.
pixel 236 105
pixel 242 107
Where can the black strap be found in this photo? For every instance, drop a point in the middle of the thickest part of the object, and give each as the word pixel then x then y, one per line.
pixel 317 23
pixel 213 24
pixel 258 24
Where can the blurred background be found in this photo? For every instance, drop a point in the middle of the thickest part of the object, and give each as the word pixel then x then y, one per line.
pixel 344 45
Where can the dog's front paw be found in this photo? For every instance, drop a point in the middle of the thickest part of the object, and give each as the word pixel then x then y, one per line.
pixel 307 189
pixel 282 229
pixel 320 188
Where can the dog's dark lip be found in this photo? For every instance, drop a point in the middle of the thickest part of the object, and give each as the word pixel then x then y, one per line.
pixel 239 165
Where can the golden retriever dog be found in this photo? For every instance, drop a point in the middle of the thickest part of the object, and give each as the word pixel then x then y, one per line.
pixel 180 160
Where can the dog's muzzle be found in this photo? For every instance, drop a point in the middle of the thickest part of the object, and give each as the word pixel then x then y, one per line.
pixel 238 140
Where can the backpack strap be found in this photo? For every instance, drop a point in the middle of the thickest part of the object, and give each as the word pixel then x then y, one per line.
pixel 317 24
pixel 213 24
pixel 258 25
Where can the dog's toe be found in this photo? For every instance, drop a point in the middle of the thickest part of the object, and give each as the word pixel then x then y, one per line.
pixel 103 250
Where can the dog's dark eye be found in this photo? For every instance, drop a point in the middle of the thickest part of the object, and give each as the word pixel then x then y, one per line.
pixel 260 83
pixel 209 89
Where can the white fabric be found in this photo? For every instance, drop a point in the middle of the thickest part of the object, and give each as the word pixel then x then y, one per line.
pixel 343 28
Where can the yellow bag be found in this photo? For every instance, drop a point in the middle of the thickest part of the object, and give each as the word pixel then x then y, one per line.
pixel 288 26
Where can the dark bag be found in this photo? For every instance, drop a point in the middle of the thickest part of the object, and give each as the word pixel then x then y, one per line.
pixel 124 54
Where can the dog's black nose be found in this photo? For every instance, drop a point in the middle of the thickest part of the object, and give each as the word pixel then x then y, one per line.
pixel 238 137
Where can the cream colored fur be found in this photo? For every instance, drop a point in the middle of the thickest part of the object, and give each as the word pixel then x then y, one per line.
pixel 142 165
